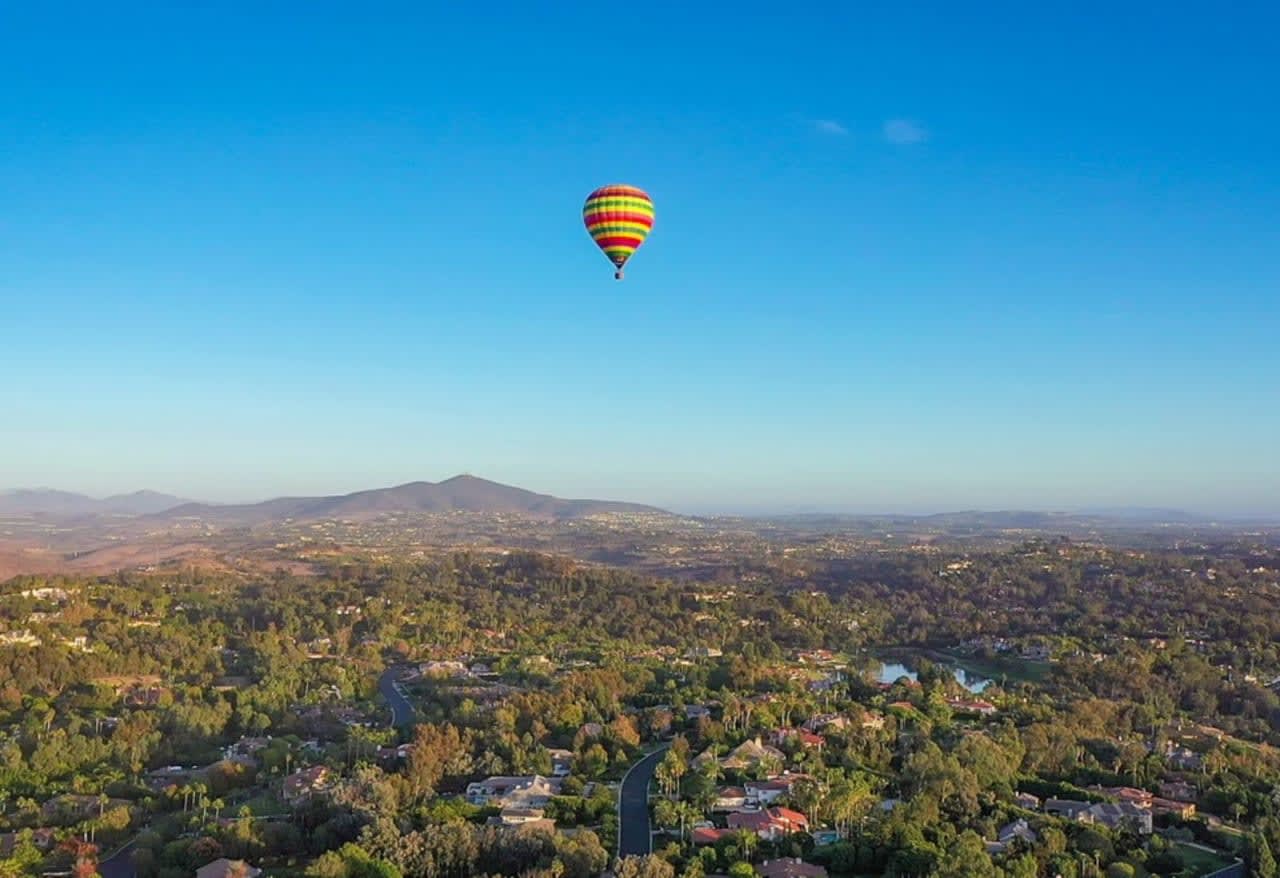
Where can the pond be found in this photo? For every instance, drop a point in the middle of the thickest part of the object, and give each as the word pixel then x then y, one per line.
pixel 890 671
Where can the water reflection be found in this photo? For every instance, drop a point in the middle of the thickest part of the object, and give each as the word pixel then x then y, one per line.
pixel 969 680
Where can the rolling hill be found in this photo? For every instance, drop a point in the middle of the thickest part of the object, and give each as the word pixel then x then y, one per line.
pixel 47 503
pixel 458 494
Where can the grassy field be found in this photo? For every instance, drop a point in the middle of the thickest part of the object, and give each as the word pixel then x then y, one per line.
pixel 1198 862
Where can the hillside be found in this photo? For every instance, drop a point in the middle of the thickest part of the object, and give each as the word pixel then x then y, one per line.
pixel 458 494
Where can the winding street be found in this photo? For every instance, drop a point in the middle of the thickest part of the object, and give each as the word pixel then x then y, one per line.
pixel 119 864
pixel 635 836
pixel 401 709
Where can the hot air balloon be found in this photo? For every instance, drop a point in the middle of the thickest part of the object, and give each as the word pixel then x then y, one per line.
pixel 618 217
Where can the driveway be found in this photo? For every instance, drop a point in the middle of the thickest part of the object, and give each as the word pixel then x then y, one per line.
pixel 635 837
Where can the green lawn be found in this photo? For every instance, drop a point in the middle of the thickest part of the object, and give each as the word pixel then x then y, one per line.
pixel 263 805
pixel 1198 862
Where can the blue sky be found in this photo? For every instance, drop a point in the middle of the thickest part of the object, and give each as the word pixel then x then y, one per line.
pixel 919 258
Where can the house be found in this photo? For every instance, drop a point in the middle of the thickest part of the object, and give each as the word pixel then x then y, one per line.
pixel 751 753
pixel 704 652
pixel 1026 800
pixel 172 776
pixel 872 720
pixel 1179 790
pixel 1071 809
pixel 708 835
pixel 42 837
pixel 19 638
pixel 224 868
pixel 531 791
pixel 790 867
pixel 1115 815
pixel 302 785
pixel 1132 795
pixel 707 755
pixel 561 762
pixel 765 792
pixel 693 712
pixel 804 737
pixel 442 669
pixel 730 799
pixel 827 721
pixel 392 754
pixel 972 705
pixel 772 824
pixel 1183 759
pixel 827 682
pixel 517 816
pixel 1181 810
pixel 245 748
pixel 1018 830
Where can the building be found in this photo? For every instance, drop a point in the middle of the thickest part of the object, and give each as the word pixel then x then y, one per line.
pixel 1026 800
pixel 730 799
pixel 1116 815
pixel 531 791
pixel 561 762
pixel 1018 830
pixel 972 705
pixel 1071 809
pixel 224 868
pixel 790 867
pixel 708 835
pixel 302 785
pixel 1181 810
pixel 765 792
pixel 751 753
pixel 1179 790
pixel 519 817
pixel 772 824
pixel 804 737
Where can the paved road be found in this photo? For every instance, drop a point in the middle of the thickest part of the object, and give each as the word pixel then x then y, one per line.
pixel 401 709
pixel 119 865
pixel 634 834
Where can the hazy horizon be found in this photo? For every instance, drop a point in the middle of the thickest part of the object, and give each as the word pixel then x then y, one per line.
pixel 696 507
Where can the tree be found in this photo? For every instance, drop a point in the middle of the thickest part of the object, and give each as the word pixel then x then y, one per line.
pixel 966 857
pixel 1262 861
pixel 644 867
pixel 582 855
pixel 742 870
pixel 437 751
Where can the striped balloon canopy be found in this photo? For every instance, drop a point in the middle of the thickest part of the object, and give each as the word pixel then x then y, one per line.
pixel 619 218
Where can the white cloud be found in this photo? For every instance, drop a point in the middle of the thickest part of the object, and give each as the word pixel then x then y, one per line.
pixel 904 131
pixel 827 126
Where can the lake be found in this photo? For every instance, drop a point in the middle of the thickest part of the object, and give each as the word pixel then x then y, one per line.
pixel 969 680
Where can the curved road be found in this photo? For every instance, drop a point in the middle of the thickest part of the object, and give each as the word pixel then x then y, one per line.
pixel 635 837
pixel 119 864
pixel 401 709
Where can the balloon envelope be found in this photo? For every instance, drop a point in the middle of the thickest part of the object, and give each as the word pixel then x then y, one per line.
pixel 618 218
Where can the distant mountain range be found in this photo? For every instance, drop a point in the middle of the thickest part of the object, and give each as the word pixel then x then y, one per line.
pixel 467 493
pixel 66 505
pixel 458 494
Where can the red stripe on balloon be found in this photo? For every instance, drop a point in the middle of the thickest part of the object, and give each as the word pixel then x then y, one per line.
pixel 619 241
